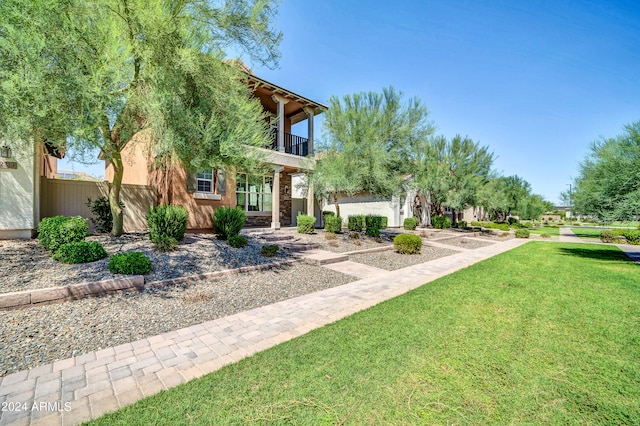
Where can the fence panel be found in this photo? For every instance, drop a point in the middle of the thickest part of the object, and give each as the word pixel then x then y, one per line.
pixel 69 198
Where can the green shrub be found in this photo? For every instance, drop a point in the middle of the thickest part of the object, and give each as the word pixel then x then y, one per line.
pixel 330 235
pixel 101 210
pixel 131 263
pixel 373 225
pixel 384 222
pixel 306 224
pixel 167 221
pixel 325 214
pixel 238 241
pixel 356 223
pixel 228 221
pixel 56 231
pixel 269 250
pixel 333 224
pixel 80 252
pixel 476 223
pixel 372 232
pixel 512 220
pixel 354 235
pixel 410 223
pixel 164 243
pixel 576 224
pixel 608 236
pixel 522 233
pixel 462 224
pixel 632 236
pixel 441 222
pixel 407 244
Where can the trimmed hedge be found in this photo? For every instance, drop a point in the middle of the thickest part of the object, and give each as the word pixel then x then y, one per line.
pixel 306 224
pixel 228 221
pixel 407 244
pixel 411 223
pixel 522 233
pixel 441 222
pixel 632 236
pixel 238 241
pixel 167 221
pixel 333 224
pixel 80 252
pixel 53 232
pixel 131 263
pixel 356 223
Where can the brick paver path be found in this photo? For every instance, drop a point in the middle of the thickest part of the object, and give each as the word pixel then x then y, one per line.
pixel 84 387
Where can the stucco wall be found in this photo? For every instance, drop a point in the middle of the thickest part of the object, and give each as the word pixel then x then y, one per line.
pixel 17 197
pixel 365 205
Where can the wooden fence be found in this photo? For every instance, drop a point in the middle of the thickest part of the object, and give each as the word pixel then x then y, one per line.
pixel 69 198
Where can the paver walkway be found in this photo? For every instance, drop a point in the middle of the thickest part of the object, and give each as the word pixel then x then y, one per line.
pixel 77 389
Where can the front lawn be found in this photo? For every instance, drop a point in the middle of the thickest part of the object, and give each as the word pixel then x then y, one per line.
pixel 588 234
pixel 544 334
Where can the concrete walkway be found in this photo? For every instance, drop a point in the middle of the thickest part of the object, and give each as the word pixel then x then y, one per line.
pixel 77 389
pixel 567 236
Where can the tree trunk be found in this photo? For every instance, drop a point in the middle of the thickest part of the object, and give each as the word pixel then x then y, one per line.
pixel 426 212
pixel 335 202
pixel 454 218
pixel 114 195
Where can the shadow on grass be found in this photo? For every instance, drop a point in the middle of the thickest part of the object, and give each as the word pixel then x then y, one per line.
pixel 596 253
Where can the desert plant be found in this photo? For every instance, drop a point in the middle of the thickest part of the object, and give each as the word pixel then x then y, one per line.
pixel 522 233
pixel 56 231
pixel 167 221
pixel 306 224
pixel 410 223
pixel 101 210
pixel 80 252
pixel 462 224
pixel 354 235
pixel 269 250
pixel 407 244
pixel 356 223
pixel 333 224
pixel 164 243
pixel 228 221
pixel 130 263
pixel 441 222
pixel 330 235
pixel 608 236
pixel 238 241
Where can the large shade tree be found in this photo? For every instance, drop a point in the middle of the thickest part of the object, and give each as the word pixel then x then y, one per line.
pixel 608 185
pixel 90 74
pixel 370 140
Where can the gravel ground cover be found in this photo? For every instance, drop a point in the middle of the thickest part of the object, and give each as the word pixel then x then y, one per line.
pixel 392 260
pixel 468 243
pixel 343 242
pixel 36 336
pixel 24 265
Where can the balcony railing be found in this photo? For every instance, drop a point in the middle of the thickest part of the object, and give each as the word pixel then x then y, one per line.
pixel 296 145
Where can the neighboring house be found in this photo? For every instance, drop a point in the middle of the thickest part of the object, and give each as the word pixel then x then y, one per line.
pixel 267 200
pixel 20 173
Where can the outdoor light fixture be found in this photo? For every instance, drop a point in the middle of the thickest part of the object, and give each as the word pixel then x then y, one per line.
pixel 5 152
pixel 286 189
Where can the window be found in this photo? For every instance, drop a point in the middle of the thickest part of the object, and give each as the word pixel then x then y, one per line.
pixel 254 194
pixel 205 181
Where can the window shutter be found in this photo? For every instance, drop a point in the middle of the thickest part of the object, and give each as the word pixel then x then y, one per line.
pixel 222 182
pixel 192 182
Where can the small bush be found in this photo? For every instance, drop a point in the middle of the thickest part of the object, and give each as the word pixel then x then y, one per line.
pixel 608 236
pixel 374 224
pixel 269 250
pixel 238 241
pixel 633 237
pixel 56 231
pixel 407 244
pixel 512 220
pixel 354 235
pixel 80 252
pixel 546 236
pixel 356 223
pixel 101 210
pixel 333 224
pixel 410 223
pixel 330 235
pixel 475 223
pixel 522 233
pixel 228 221
pixel 131 263
pixel 462 224
pixel 306 224
pixel 167 221
pixel 164 243
pixel 325 214
pixel 441 222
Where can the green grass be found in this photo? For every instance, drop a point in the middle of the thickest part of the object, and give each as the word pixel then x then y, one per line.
pixel 546 230
pixel 548 333
pixel 588 234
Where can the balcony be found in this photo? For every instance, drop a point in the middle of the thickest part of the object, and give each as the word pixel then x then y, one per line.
pixel 296 145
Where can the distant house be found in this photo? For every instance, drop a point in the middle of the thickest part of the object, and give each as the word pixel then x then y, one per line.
pixel 267 200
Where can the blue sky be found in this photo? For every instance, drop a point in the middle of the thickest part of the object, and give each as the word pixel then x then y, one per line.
pixel 535 81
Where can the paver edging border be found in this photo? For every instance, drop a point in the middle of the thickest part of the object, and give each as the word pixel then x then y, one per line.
pixel 45 296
